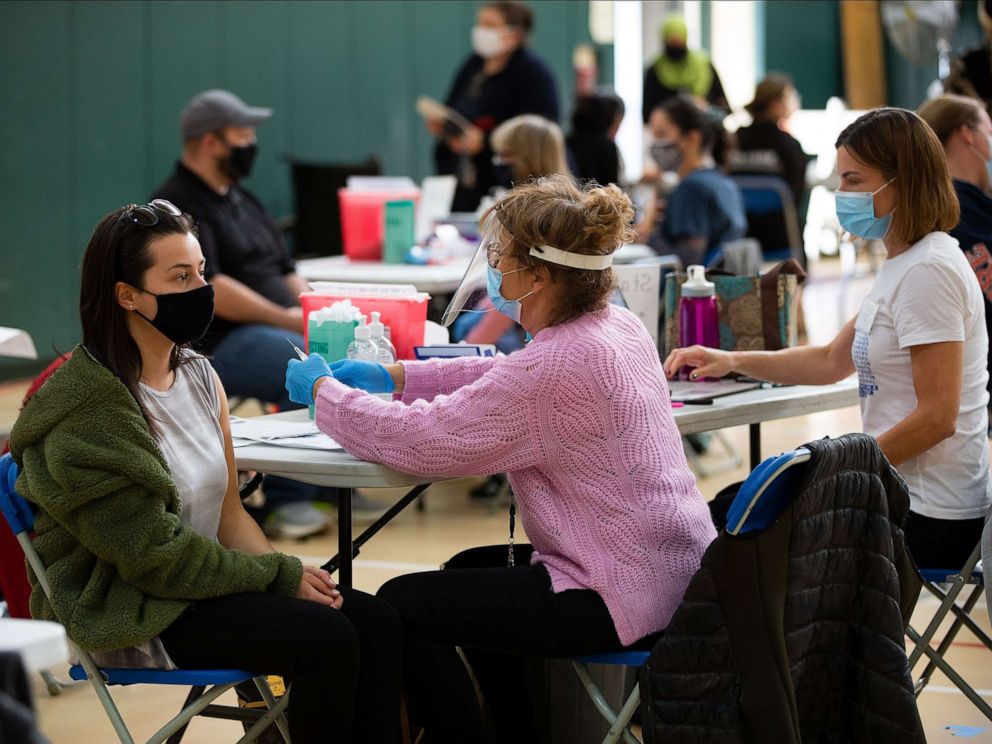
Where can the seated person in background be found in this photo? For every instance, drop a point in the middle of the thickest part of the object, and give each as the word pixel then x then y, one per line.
pixel 527 147
pixel 679 69
pixel 126 453
pixel 918 344
pixel 766 148
pixel 964 129
pixel 248 265
pixel 706 209
pixel 581 421
pixel 595 122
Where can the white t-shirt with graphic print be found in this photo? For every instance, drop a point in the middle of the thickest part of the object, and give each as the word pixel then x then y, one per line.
pixel 926 295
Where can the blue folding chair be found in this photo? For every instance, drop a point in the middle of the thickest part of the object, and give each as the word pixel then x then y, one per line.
pixel 760 501
pixel 20 517
pixel 766 196
pixel 955 581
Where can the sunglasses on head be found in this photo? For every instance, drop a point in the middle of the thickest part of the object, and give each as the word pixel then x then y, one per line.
pixel 147 215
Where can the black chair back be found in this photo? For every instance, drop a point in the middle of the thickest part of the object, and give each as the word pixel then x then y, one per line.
pixel 317 230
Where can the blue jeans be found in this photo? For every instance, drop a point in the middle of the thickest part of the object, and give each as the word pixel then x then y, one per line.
pixel 251 363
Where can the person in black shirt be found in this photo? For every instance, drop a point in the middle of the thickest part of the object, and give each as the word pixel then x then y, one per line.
pixel 595 122
pixel 501 80
pixel 965 130
pixel 255 287
pixel 766 148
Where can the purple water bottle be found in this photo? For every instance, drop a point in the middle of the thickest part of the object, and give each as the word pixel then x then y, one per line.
pixel 698 319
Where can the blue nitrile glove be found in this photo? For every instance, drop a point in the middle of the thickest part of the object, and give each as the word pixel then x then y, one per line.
pixel 371 377
pixel 302 374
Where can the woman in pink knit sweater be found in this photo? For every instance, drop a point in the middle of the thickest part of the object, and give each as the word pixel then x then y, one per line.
pixel 581 422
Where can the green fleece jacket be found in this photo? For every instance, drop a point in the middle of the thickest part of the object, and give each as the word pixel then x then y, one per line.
pixel 121 565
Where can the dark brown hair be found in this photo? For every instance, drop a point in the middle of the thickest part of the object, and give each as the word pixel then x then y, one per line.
pixel 947 114
pixel 554 210
pixel 515 13
pixel 120 251
pixel 687 116
pixel 903 147
pixel 770 90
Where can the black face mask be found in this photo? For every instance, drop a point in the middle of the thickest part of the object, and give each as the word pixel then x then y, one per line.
pixel 183 317
pixel 677 53
pixel 238 164
pixel 503 175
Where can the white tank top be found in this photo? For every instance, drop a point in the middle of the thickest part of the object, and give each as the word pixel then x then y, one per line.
pixel 189 434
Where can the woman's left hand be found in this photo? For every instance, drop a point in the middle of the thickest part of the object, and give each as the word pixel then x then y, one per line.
pixel 301 375
pixel 469 143
pixel 326 584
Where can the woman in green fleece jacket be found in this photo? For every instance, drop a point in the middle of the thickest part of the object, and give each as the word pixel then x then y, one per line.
pixel 126 452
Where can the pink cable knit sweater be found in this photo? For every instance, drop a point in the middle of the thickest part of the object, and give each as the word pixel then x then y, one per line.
pixel 581 421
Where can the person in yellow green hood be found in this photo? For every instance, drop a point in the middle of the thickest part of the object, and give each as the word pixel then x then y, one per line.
pixel 126 454
pixel 679 69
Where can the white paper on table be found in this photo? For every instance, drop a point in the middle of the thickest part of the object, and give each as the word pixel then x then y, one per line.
pixel 16 343
pixel 640 286
pixel 266 429
pixel 308 441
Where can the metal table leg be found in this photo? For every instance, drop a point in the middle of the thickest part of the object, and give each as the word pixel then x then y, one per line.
pixel 754 444
pixel 348 548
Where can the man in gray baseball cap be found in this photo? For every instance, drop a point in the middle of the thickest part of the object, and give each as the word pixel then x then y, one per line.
pixel 215 109
pixel 256 288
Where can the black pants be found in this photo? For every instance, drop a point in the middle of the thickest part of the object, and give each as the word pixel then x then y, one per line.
pixel 344 665
pixel 941 543
pixel 498 616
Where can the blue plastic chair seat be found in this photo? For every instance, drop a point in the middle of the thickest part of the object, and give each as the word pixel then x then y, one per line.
pixel 762 201
pixel 202 677
pixel 940 575
pixel 619 658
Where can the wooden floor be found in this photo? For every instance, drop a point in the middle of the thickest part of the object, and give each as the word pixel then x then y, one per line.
pixel 451 521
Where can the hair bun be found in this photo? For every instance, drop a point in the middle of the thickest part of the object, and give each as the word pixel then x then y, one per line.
pixel 609 217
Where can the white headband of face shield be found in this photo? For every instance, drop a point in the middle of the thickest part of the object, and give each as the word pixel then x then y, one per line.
pixel 572 260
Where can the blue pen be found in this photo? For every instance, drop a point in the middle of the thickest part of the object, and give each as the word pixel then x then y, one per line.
pixel 298 350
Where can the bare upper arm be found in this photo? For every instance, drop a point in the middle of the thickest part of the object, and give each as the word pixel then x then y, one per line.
pixel 938 371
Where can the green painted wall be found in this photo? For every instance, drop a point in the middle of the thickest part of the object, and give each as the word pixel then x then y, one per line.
pixel 802 40
pixel 92 92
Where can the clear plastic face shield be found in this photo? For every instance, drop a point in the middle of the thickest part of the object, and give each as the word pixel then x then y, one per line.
pixel 472 290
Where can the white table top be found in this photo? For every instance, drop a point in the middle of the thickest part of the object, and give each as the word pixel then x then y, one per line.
pixel 42 644
pixel 435 279
pixel 338 468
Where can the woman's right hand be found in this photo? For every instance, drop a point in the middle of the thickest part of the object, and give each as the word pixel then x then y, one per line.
pixel 435 127
pixel 705 362
pixel 314 589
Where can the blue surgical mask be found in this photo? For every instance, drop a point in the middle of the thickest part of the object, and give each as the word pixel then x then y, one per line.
pixel 494 281
pixel 856 212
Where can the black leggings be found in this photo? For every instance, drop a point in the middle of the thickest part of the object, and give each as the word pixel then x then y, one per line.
pixel 495 615
pixel 344 665
pixel 941 543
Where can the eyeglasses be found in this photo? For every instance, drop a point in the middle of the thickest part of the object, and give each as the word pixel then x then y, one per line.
pixel 147 215
pixel 494 250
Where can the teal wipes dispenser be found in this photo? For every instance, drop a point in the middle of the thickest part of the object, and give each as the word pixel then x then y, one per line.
pixel 329 331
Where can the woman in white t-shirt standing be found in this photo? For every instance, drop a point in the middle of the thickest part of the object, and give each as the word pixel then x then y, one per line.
pixel 918 344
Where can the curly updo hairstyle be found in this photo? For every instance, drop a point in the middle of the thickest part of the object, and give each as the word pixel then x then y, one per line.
pixel 590 219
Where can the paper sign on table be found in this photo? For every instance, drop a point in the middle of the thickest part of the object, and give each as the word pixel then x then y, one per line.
pixel 16 343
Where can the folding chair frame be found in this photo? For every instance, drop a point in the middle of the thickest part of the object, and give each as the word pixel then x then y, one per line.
pixel 619 721
pixel 198 702
pixel 957 581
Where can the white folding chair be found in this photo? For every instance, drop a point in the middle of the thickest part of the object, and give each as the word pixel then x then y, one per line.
pixel 20 517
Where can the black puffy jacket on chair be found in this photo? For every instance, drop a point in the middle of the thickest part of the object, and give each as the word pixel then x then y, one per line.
pixel 795 633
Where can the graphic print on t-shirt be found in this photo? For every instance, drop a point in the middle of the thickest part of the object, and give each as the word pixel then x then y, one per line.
pixel 981 262
pixel 867 384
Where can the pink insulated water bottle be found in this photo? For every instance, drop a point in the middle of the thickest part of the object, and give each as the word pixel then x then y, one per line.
pixel 698 319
